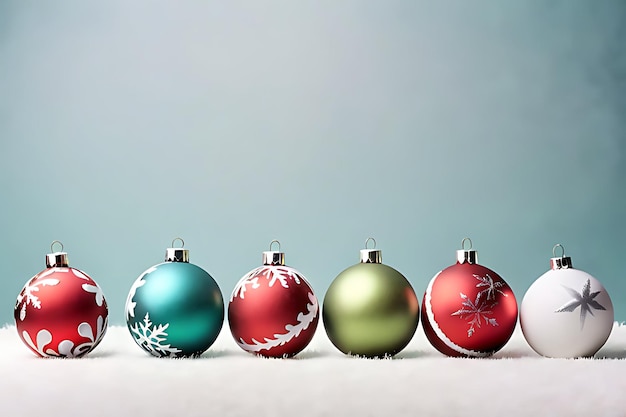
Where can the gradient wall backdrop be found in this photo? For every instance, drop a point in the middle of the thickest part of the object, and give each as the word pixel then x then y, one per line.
pixel 124 124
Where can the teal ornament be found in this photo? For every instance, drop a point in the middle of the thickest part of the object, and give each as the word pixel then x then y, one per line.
pixel 175 308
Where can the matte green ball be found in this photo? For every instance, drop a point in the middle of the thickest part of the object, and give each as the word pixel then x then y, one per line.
pixel 175 309
pixel 370 310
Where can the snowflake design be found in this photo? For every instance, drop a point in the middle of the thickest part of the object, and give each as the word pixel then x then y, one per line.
pixel 79 274
pixel 584 300
pixel 66 348
pixel 491 288
pixel 43 338
pixel 151 337
pixel 240 288
pixel 130 304
pixel 95 289
pixel 475 313
pixel 273 273
pixel 304 320
pixel 27 296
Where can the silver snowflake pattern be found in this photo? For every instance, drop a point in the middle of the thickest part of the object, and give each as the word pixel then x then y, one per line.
pixel 584 300
pixel 151 337
pixel 476 313
pixel 28 297
pixel 491 287
pixel 273 273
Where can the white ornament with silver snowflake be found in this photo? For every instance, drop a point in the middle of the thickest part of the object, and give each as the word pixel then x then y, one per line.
pixel 562 322
pixel 152 337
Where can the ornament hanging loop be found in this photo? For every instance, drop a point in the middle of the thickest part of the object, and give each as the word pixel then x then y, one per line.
pixel 562 261
pixel 273 257
pixel 368 240
pixel 177 254
pixel 558 245
pixel 371 256
pixel 55 242
pixel 56 258
pixel 272 243
pixel 466 256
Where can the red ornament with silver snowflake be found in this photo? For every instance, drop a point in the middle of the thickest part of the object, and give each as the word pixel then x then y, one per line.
pixel 61 311
pixel 273 311
pixel 468 309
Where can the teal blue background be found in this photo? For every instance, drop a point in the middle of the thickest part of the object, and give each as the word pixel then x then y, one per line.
pixel 124 124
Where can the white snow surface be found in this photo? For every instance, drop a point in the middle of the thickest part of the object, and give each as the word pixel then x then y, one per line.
pixel 120 379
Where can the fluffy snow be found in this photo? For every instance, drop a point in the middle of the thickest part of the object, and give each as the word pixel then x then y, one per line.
pixel 120 379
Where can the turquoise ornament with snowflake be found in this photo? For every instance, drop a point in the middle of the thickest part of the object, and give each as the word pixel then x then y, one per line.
pixel 175 308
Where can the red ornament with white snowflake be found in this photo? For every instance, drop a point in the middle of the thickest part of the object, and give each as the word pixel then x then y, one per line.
pixel 468 309
pixel 273 311
pixel 61 311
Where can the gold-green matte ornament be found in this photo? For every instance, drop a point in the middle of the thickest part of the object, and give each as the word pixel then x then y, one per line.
pixel 370 309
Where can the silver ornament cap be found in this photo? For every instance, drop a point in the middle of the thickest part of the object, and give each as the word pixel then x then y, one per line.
pixel 57 258
pixel 560 262
pixel 177 254
pixel 371 256
pixel 272 257
pixel 466 256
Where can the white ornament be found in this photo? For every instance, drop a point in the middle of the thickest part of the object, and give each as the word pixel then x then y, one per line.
pixel 566 313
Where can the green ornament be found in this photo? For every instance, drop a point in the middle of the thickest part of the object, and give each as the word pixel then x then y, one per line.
pixel 370 309
pixel 175 308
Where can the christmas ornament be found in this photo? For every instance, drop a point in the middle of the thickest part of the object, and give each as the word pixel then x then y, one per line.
pixel 468 309
pixel 273 311
pixel 370 309
pixel 566 313
pixel 175 308
pixel 61 311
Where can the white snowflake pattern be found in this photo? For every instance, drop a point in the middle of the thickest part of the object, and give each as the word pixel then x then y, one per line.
pixel 475 313
pixel 130 304
pixel 27 296
pixel 66 348
pixel 304 321
pixel 273 273
pixel 43 338
pixel 79 274
pixel 151 337
pixel 240 288
pixel 95 289
pixel 492 288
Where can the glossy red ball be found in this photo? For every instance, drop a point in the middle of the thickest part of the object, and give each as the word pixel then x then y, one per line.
pixel 61 312
pixel 273 312
pixel 468 310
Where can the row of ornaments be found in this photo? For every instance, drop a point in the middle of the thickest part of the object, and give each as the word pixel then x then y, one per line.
pixel 176 309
